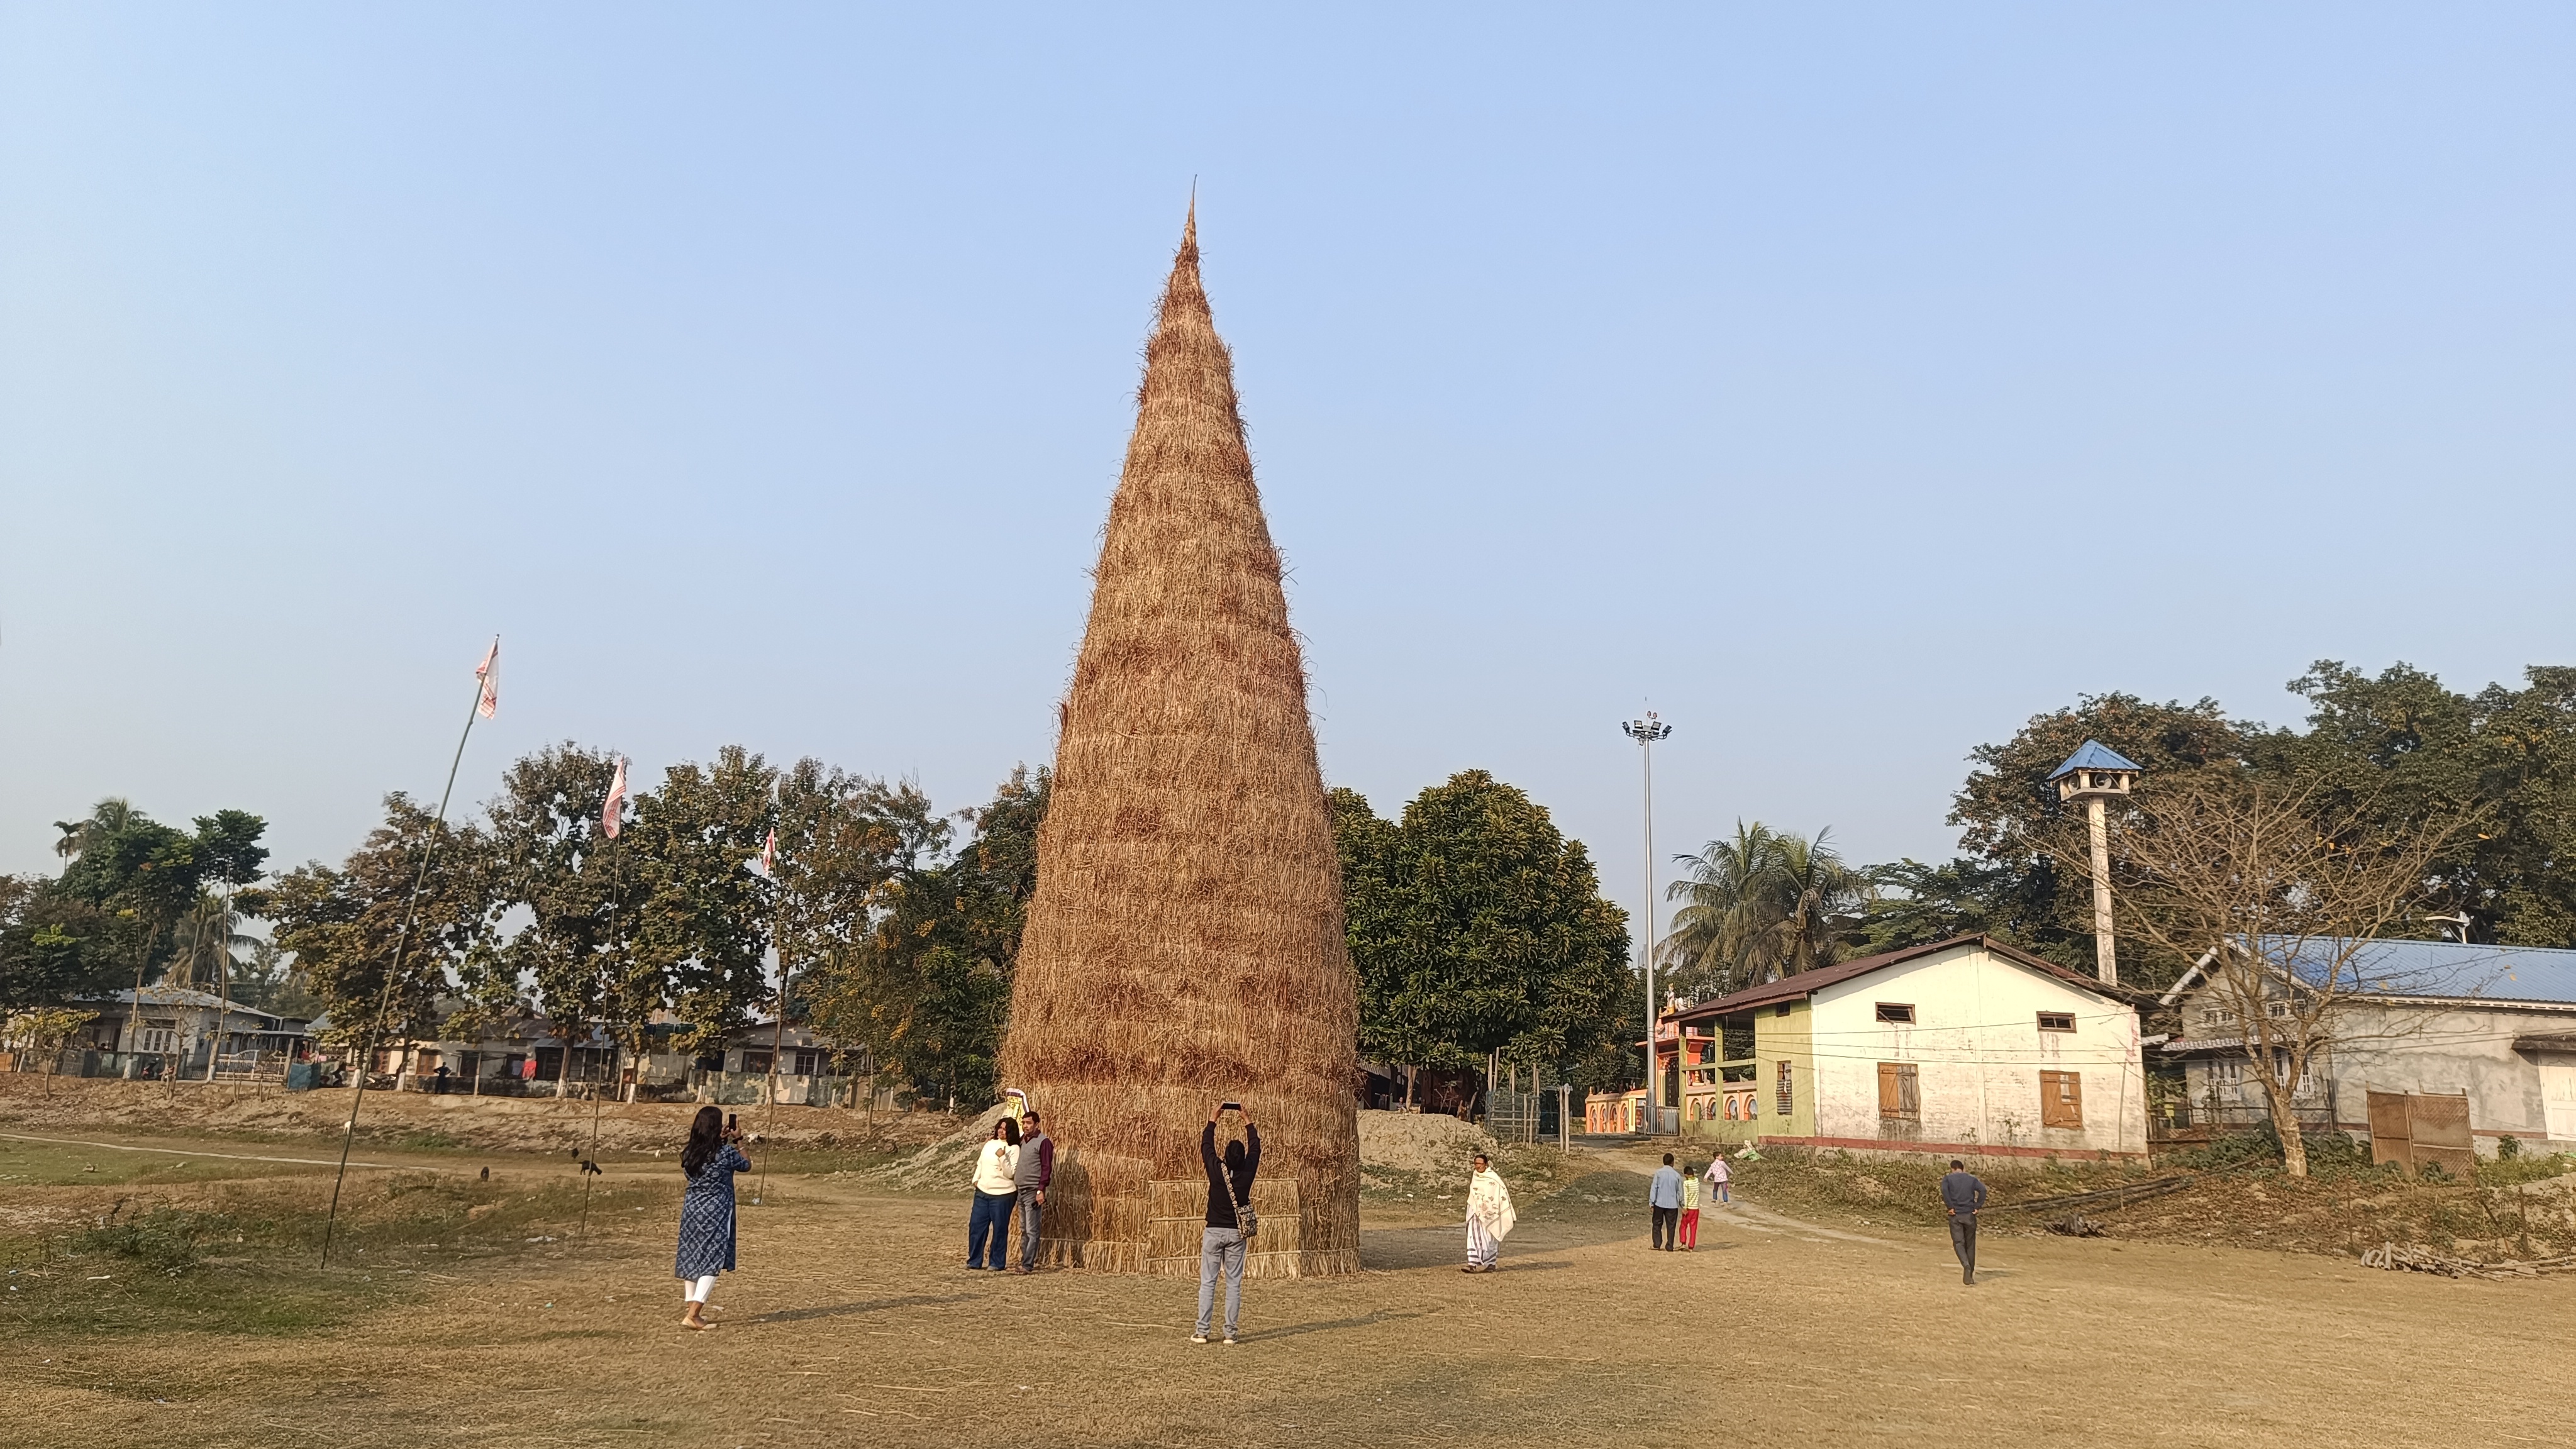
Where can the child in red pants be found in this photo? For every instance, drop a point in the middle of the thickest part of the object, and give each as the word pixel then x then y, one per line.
pixel 1689 1234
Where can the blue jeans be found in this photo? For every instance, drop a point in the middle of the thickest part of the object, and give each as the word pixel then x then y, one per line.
pixel 1220 1249
pixel 990 1225
pixel 1029 1211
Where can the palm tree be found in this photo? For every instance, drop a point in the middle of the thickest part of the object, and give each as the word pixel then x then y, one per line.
pixel 1820 899
pixel 106 818
pixel 1721 939
pixel 204 940
pixel 202 944
pixel 1763 905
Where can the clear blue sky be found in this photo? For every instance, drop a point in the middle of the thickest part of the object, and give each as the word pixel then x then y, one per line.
pixel 1854 384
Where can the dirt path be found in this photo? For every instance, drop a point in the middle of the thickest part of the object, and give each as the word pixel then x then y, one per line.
pixel 853 1322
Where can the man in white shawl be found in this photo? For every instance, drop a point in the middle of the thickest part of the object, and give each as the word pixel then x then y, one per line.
pixel 1489 1216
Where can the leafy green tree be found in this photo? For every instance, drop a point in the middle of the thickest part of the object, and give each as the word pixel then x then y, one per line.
pixel 2400 750
pixel 45 1030
pixel 703 921
pixel 926 985
pixel 145 875
pixel 571 960
pixel 343 923
pixel 54 946
pixel 1916 904
pixel 271 981
pixel 2010 816
pixel 1477 929
pixel 833 854
pixel 2395 752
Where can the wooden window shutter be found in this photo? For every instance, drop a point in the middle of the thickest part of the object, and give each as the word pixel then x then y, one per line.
pixel 1887 1091
pixel 1909 1091
pixel 1787 1101
pixel 2061 1099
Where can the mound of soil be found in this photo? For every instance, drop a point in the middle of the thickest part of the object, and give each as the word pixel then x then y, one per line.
pixel 948 1164
pixel 1422 1144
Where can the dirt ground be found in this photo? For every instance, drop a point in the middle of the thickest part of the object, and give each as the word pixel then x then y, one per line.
pixel 852 1321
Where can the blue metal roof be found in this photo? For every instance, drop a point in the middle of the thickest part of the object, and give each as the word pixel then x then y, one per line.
pixel 2443 968
pixel 2095 755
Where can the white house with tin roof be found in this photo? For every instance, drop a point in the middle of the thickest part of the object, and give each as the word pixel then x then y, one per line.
pixel 2495 1025
pixel 1966 1047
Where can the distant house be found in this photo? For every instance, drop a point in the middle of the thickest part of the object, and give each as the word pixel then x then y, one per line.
pixel 524 1055
pixel 175 1030
pixel 1964 1047
pixel 2493 1025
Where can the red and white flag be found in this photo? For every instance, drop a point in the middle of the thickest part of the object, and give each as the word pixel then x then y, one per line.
pixel 489 671
pixel 769 854
pixel 616 798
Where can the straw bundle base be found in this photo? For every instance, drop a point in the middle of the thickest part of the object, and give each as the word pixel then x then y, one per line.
pixel 1159 1232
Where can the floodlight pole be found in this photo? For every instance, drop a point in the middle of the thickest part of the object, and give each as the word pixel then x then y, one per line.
pixel 1645 732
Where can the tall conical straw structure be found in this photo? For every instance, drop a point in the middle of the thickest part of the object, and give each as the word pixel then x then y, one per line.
pixel 1184 944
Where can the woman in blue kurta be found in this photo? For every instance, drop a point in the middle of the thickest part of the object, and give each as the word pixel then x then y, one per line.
pixel 706 1210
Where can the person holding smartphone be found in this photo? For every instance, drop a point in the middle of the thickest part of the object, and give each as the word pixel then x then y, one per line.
pixel 1221 1242
pixel 706 1210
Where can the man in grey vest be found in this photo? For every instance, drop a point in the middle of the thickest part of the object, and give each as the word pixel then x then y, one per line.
pixel 1036 1170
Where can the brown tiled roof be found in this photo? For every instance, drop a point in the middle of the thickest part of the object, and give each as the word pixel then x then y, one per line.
pixel 1807 983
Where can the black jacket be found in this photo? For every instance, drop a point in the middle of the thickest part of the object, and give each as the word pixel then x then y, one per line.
pixel 1220 1213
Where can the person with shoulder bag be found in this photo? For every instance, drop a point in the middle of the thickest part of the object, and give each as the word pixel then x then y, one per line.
pixel 1230 1219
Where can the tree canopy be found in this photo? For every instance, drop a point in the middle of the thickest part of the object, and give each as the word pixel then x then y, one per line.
pixel 2381 755
pixel 120 911
pixel 1477 929
pixel 1765 904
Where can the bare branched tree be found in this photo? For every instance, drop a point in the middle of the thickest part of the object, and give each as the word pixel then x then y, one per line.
pixel 2277 894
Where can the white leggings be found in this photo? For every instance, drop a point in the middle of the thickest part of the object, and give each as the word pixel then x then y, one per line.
pixel 697 1292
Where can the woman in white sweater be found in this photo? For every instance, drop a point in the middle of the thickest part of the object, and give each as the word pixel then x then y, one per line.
pixel 989 1226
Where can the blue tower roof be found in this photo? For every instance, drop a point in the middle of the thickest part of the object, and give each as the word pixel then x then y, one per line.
pixel 2095 755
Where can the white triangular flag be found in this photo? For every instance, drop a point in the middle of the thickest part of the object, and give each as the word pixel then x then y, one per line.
pixel 616 797
pixel 489 671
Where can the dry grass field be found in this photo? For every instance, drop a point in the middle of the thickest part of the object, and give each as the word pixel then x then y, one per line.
pixel 466 1310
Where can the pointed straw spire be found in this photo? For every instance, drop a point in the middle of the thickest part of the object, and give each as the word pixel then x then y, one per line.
pixel 1184 943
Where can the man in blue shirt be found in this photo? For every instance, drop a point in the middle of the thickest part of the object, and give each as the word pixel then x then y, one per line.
pixel 1665 1197
pixel 1963 1194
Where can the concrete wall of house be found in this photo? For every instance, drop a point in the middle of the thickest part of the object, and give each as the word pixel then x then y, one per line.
pixel 1788 1038
pixel 1978 1051
pixel 2434 1049
pixel 2451 1049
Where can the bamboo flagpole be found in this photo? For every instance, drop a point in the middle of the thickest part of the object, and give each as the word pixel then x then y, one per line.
pixel 778 1035
pixel 608 826
pixel 487 702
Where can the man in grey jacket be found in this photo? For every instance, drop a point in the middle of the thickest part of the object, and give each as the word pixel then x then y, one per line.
pixel 1030 1179
pixel 1963 1194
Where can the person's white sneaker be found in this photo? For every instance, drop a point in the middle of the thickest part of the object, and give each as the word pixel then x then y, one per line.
pixel 1198 1338
pixel 1229 1340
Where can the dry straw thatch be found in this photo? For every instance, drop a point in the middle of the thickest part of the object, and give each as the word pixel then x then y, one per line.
pixel 1184 944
